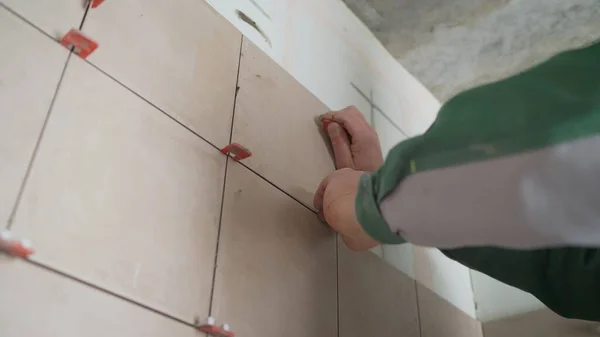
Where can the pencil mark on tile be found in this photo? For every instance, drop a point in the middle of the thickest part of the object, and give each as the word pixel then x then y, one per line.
pixel 366 98
pixel 13 213
pixel 372 108
pixel 242 16
pixel 260 9
pixel 375 107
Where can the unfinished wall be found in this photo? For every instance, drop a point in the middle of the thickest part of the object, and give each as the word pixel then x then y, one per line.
pixel 454 45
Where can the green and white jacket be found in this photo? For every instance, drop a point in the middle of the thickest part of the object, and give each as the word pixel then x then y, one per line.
pixel 514 163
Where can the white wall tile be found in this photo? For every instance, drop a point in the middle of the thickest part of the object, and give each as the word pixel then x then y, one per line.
pixel 496 300
pixel 276 273
pixel 38 302
pixel 181 55
pixel 449 279
pixel 55 17
pixel 274 118
pixel 27 85
pixel 123 197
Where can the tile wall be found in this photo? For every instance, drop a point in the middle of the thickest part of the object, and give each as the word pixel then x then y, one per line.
pixel 111 166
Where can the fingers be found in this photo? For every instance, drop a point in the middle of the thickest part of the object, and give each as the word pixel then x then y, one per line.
pixel 320 195
pixel 351 119
pixel 341 146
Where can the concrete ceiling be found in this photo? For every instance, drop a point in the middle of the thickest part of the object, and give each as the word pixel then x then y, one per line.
pixel 452 45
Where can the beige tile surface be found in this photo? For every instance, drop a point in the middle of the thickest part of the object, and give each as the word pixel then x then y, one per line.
pixel 55 17
pixel 375 298
pixel 274 118
pixel 540 323
pixel 123 197
pixel 180 55
pixel 27 85
pixel 37 302
pixel 276 272
pixel 439 318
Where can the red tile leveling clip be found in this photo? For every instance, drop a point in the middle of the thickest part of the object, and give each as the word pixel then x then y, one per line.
pixel 94 3
pixel 217 331
pixel 82 45
pixel 15 247
pixel 236 151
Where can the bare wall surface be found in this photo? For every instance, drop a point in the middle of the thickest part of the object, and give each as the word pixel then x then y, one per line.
pixel 452 45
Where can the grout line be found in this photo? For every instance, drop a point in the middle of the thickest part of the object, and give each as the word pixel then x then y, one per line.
pixel 106 291
pixel 277 187
pixel 161 110
pixel 195 133
pixel 36 148
pixel 418 308
pixel 152 104
pixel 55 39
pixel 215 265
pixel 87 9
pixel 375 107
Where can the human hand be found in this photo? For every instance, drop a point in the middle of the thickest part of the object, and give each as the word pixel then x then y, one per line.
pixel 355 143
pixel 334 200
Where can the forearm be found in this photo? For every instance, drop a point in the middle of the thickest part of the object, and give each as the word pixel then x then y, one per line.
pixel 534 199
pixel 511 164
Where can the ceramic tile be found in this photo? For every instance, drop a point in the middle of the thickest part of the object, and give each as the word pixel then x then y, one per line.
pixel 267 36
pixel 447 278
pixel 377 250
pixel 322 56
pixel 38 302
pixel 401 257
pixel 496 300
pixel 389 135
pixel 122 196
pixel 181 55
pixel 408 104
pixel 54 17
pixel 359 97
pixel 27 85
pixel 439 318
pixel 274 118
pixel 540 323
pixel 276 273
pixel 375 298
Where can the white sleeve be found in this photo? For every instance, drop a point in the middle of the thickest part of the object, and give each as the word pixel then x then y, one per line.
pixel 542 198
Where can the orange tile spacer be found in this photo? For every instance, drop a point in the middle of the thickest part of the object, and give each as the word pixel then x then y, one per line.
pixel 19 248
pixel 236 151
pixel 217 331
pixel 82 45
pixel 94 3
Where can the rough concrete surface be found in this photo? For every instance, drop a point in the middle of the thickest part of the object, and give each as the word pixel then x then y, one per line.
pixel 452 45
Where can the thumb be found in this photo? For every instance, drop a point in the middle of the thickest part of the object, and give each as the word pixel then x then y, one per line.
pixel 341 146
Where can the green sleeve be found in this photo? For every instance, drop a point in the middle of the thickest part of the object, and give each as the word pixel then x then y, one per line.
pixel 554 102
pixel 564 279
